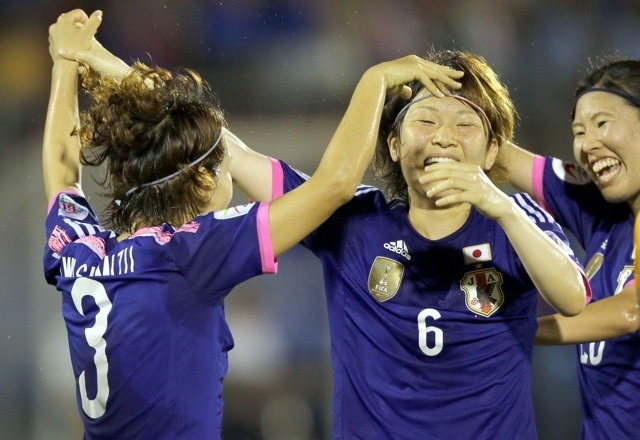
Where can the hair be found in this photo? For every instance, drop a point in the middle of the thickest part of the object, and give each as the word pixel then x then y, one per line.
pixel 150 125
pixel 612 72
pixel 481 85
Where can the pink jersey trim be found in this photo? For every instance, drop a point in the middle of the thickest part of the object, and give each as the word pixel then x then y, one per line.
pixel 277 179
pixel 66 191
pixel 631 283
pixel 537 175
pixel 267 257
pixel 587 286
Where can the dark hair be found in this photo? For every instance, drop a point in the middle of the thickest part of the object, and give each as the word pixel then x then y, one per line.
pixel 481 85
pixel 614 73
pixel 147 127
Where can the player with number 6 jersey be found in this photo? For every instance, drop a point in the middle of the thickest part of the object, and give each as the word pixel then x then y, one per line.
pixel 432 287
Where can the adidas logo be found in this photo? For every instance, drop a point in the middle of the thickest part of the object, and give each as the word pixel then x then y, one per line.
pixel 399 247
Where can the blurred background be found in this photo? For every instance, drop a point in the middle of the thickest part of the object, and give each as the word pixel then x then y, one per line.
pixel 284 71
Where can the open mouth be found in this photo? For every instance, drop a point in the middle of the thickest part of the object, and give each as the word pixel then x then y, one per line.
pixel 605 169
pixel 431 160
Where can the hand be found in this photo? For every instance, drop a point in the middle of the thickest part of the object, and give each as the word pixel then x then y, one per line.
pixel 451 183
pixel 437 79
pixel 99 59
pixel 73 30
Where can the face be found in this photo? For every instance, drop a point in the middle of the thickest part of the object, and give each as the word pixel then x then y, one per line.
pixel 606 138
pixel 438 130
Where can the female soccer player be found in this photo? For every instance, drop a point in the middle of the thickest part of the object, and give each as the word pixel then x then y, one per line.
pixel 432 295
pixel 143 302
pixel 597 202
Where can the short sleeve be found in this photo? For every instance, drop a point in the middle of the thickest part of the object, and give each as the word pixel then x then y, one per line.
pixel 220 250
pixel 543 220
pixel 70 218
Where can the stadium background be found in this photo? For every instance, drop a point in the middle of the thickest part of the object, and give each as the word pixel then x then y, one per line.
pixel 284 72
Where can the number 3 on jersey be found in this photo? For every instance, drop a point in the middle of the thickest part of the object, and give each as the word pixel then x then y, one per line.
pixel 430 338
pixel 96 407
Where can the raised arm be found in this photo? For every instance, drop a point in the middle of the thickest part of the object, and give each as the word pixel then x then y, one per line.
pixel 351 149
pixel 60 148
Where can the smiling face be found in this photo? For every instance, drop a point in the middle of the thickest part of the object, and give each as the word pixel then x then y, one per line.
pixel 606 143
pixel 439 130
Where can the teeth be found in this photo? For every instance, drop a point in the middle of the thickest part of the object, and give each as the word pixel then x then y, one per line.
pixel 433 160
pixel 604 163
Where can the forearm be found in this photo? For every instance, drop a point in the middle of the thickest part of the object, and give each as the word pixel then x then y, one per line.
pixel 552 271
pixel 605 319
pixel 519 163
pixel 351 149
pixel 250 170
pixel 61 149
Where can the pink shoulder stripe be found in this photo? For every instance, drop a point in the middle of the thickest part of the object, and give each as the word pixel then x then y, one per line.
pixel 537 176
pixel 267 257
pixel 55 197
pixel 277 179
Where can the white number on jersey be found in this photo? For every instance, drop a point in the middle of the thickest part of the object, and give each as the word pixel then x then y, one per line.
pixel 96 407
pixel 424 330
pixel 591 353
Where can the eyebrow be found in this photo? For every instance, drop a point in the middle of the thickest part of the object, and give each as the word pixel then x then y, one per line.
pixel 465 111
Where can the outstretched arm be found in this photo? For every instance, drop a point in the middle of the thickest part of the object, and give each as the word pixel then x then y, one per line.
pixel 601 320
pixel 519 163
pixel 60 148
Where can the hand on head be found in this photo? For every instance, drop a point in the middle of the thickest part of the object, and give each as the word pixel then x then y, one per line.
pixel 437 79
pixel 73 31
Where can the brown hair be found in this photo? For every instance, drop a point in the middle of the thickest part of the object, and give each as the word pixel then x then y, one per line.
pixel 147 127
pixel 481 85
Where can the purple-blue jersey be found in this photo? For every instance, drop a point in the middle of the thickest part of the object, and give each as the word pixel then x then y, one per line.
pixel 609 371
pixel 429 338
pixel 145 317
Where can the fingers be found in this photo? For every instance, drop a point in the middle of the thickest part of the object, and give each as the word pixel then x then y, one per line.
pixel 91 26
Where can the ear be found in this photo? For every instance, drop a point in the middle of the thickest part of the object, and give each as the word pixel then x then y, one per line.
pixel 394 147
pixel 492 153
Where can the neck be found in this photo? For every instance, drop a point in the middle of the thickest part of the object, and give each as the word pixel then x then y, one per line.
pixel 435 223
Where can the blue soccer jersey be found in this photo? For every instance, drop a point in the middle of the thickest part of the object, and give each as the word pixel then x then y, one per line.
pixel 430 339
pixel 145 316
pixel 609 371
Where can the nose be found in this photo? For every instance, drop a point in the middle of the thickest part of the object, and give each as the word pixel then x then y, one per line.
pixel 590 141
pixel 444 137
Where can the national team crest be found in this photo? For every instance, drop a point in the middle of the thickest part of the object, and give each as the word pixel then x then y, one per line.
pixel 385 277
pixel 483 291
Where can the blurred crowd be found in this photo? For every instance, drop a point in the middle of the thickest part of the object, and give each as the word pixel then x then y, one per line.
pixel 283 71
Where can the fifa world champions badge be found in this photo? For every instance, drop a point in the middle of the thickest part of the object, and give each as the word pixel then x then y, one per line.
pixel 385 277
pixel 483 291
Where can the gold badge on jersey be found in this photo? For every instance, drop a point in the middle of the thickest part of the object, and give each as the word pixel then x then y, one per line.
pixel 483 291
pixel 594 265
pixel 385 277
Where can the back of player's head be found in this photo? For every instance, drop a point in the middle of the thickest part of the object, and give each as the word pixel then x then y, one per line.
pixel 150 126
pixel 481 86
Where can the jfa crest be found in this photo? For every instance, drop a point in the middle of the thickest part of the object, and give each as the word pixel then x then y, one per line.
pixel 385 277
pixel 483 291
